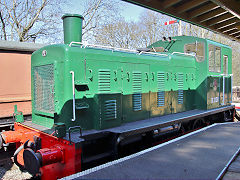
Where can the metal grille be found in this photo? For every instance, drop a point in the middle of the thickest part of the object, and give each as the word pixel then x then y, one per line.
pixel 137 82
pixel 110 109
pixel 44 88
pixel 137 91
pixel 180 88
pixel 104 80
pixel 137 102
pixel 161 89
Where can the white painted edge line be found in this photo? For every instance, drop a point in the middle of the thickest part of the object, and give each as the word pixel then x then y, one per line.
pixel 222 173
pixel 227 123
pixel 97 168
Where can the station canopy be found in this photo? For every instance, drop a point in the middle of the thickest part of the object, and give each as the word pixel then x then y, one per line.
pixel 220 16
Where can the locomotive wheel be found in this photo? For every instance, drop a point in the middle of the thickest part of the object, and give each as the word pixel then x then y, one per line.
pixel 227 116
pixel 182 130
pixel 198 123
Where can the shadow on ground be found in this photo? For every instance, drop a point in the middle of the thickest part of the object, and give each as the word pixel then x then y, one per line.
pixel 8 170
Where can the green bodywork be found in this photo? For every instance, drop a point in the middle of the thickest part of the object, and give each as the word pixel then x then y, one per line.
pixel 113 87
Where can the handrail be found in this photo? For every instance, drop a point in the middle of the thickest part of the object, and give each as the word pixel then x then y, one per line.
pixel 218 75
pixel 222 75
pixel 103 47
pixel 73 89
pixel 116 49
pixel 153 53
pixel 74 42
pixel 223 90
pixel 185 54
pixel 231 87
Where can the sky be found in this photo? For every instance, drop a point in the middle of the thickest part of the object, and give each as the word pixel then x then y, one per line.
pixel 130 11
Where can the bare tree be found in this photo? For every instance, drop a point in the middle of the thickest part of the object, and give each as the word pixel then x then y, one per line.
pixel 3 24
pixel 98 13
pixel 26 20
pixel 153 28
pixel 119 34
pixel 149 29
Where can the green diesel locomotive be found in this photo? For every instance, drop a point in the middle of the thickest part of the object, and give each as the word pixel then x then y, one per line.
pixel 97 99
pixel 99 87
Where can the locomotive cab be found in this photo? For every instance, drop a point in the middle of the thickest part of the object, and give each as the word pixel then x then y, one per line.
pixel 214 68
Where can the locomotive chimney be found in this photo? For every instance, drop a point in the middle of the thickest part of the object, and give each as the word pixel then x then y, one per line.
pixel 72 27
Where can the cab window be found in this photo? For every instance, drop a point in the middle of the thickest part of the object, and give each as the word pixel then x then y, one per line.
pixel 214 53
pixel 196 49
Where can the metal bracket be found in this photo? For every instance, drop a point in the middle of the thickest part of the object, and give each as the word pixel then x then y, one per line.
pixel 69 132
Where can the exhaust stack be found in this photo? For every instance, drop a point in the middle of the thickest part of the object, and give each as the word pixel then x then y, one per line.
pixel 72 27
